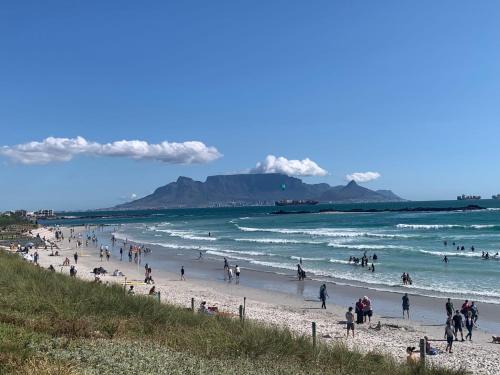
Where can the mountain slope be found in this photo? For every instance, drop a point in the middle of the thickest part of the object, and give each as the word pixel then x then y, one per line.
pixel 249 189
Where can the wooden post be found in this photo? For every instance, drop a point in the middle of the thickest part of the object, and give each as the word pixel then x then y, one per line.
pixel 192 304
pixel 244 306
pixel 241 312
pixel 422 351
pixel 314 333
pixel 159 296
pixel 125 286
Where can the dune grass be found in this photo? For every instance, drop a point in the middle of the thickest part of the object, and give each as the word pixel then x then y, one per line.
pixel 53 324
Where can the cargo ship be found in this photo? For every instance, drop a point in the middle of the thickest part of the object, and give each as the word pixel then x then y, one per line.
pixel 496 196
pixel 300 202
pixel 464 197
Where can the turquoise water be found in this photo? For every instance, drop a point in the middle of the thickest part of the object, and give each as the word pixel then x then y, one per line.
pixel 403 242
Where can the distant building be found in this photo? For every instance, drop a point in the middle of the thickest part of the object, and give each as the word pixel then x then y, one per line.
pixel 44 213
pixel 22 213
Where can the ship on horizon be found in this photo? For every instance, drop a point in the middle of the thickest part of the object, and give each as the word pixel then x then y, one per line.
pixel 293 202
pixel 464 197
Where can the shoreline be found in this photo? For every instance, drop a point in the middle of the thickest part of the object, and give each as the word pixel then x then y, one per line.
pixel 295 310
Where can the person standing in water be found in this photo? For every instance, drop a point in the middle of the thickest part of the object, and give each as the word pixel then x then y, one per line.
pixel 445 259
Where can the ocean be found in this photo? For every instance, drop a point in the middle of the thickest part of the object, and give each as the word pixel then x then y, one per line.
pixel 411 242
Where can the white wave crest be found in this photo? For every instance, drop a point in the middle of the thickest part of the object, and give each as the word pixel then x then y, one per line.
pixel 276 241
pixel 444 226
pixel 324 232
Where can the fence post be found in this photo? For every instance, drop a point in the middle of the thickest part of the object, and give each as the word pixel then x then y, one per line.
pixel 125 286
pixel 241 312
pixel 244 307
pixel 159 296
pixel 192 304
pixel 314 333
pixel 422 351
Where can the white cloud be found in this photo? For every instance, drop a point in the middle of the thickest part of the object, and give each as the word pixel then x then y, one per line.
pixel 53 149
pixel 305 167
pixel 363 176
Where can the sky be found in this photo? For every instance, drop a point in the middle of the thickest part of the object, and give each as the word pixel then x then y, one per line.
pixel 322 90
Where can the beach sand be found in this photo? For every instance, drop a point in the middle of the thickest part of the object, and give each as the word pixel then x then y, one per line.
pixel 291 310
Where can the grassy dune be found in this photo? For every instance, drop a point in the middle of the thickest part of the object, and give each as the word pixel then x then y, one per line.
pixel 53 324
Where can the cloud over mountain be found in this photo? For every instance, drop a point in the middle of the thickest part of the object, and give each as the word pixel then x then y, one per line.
pixel 363 176
pixel 54 149
pixel 273 164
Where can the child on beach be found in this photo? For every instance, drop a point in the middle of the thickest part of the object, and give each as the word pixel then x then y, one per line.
pixel 349 316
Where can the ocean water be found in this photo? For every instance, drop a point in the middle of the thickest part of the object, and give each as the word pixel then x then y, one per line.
pixel 403 241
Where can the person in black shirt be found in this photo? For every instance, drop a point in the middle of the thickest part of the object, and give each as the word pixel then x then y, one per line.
pixel 458 324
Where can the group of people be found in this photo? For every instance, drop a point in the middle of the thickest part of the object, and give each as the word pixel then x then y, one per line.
pixel 364 261
pixel 406 278
pixel 363 312
pixel 229 272
pixel 466 317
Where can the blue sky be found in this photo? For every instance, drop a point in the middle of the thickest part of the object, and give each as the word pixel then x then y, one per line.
pixel 408 90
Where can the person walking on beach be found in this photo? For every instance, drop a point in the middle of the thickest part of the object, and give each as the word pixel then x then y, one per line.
pixel 121 254
pixel 406 305
pixel 469 324
pixel 35 257
pixel 323 294
pixel 474 310
pixel 458 324
pixel 449 308
pixel 101 254
pixel 75 256
pixel 448 335
pixel 349 317
pixel 107 255
pixel 237 271
pixel 183 278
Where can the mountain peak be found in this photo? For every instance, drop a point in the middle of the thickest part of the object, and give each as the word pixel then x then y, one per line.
pixel 249 189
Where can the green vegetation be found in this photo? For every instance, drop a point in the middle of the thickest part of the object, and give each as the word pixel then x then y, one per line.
pixel 12 228
pixel 53 324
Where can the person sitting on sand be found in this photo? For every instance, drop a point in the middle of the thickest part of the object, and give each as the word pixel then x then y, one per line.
pixel 51 268
pixel 66 262
pixel 72 271
pixel 412 356
pixel 429 350
pixel 152 291
pixel 131 290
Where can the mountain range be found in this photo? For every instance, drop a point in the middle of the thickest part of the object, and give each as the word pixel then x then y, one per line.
pixel 252 189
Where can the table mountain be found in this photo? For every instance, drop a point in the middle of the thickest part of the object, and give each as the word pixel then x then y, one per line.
pixel 251 189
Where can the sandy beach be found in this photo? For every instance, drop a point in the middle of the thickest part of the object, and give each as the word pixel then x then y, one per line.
pixel 285 308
